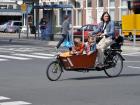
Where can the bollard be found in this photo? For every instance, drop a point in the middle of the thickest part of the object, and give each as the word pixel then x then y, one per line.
pixel 134 38
pixel 19 34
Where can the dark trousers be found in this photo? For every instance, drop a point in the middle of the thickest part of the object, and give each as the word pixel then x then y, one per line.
pixel 64 36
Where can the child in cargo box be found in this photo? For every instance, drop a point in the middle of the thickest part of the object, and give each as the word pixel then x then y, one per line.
pixel 90 45
pixel 78 47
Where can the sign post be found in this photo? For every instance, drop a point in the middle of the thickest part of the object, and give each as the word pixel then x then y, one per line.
pixel 24 8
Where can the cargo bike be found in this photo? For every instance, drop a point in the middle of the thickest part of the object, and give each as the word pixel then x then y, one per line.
pixel 113 62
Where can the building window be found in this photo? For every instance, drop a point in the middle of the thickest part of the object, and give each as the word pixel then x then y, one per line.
pixel 112 13
pixel 3 6
pixel 77 4
pixel 124 3
pixel 89 3
pixel 78 17
pixel 10 7
pixel 112 3
pixel 123 11
pixel 100 3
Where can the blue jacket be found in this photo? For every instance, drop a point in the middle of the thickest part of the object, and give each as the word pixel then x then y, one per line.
pixel 110 28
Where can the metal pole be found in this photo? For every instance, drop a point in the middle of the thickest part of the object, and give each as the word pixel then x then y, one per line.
pixel 72 23
pixel 27 25
pixel 67 8
pixel 83 35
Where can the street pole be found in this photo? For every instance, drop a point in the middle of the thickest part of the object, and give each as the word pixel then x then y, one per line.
pixel 27 25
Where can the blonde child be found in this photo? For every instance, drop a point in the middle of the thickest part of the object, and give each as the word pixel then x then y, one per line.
pixel 90 45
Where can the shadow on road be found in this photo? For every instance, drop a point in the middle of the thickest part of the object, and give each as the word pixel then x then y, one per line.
pixel 87 78
pixel 101 77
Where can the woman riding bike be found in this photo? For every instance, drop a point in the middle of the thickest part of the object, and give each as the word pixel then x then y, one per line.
pixel 105 30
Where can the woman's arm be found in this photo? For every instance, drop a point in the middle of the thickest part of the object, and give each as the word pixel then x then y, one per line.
pixel 112 29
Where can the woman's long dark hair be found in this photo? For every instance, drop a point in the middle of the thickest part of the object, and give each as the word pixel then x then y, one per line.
pixel 102 17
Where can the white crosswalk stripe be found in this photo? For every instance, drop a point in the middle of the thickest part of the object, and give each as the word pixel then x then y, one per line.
pixel 24 56
pixel 44 54
pixel 3 59
pixel 7 101
pixel 33 56
pixel 15 103
pixel 13 57
pixel 4 98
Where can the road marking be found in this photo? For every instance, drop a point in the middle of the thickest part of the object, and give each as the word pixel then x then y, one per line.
pixel 33 56
pixel 14 57
pixel 132 61
pixel 4 98
pixel 15 103
pixel 44 54
pixel 3 59
pixel 134 67
pixel 132 54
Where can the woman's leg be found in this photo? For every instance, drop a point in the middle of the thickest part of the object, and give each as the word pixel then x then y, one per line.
pixel 61 40
pixel 101 47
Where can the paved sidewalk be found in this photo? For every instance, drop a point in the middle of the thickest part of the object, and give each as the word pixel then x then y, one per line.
pixel 13 39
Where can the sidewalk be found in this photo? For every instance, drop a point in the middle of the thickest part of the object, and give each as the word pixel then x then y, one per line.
pixel 12 39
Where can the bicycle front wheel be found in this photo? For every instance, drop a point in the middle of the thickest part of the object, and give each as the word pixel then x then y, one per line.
pixel 116 66
pixel 54 71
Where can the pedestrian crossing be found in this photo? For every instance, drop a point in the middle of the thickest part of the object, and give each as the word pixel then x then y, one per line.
pixel 7 101
pixel 132 54
pixel 25 56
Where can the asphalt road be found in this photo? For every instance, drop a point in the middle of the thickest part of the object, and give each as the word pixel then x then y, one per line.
pixel 24 81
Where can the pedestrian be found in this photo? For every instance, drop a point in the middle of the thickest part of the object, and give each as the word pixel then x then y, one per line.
pixel 65 30
pixel 43 26
pixel 105 30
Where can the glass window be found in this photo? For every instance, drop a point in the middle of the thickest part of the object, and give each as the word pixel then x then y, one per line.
pixel 17 24
pixel 79 16
pixel 100 3
pixel 112 14
pixel 112 3
pixel 124 3
pixel 77 4
pixel 89 3
pixel 123 11
pixel 3 6
pixel 10 7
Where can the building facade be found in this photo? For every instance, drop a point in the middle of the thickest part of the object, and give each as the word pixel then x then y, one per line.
pixel 10 10
pixel 90 11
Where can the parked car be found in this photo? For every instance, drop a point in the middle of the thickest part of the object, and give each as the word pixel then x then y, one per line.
pixel 3 27
pixel 14 26
pixel 87 28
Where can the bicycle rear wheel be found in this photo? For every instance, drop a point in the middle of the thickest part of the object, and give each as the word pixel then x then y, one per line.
pixel 54 71
pixel 116 66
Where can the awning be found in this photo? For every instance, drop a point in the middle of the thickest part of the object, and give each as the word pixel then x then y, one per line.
pixel 52 6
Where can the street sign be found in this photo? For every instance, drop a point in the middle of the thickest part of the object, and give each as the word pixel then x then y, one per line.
pixel 23 7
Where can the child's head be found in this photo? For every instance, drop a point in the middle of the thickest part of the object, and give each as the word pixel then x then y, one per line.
pixel 77 41
pixel 91 39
